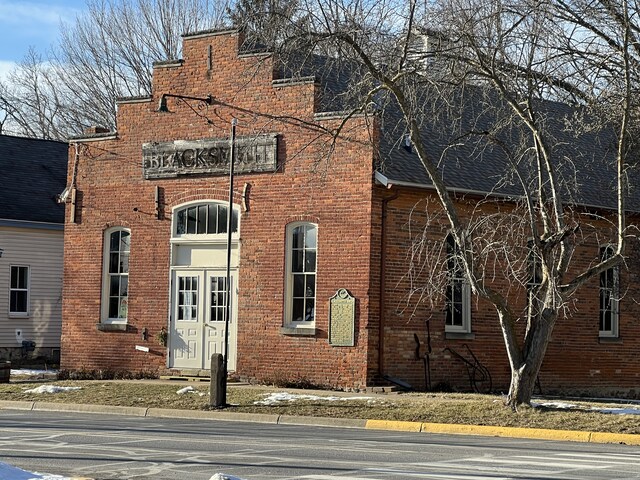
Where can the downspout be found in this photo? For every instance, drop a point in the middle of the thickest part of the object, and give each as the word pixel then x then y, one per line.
pixel 383 280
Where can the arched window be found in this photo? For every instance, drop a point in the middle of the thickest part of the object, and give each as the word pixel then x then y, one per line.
pixel 302 247
pixel 115 284
pixel 204 219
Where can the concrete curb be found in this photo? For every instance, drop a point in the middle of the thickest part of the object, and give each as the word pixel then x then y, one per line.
pixel 389 425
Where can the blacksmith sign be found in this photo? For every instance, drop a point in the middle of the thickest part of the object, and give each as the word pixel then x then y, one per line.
pixel 209 156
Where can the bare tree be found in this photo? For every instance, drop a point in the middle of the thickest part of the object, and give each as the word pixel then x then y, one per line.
pixel 530 79
pixel 106 53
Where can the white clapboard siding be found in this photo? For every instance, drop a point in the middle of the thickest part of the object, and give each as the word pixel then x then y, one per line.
pixel 42 251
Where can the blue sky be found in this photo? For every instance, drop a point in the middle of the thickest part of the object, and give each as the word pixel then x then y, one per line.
pixel 25 23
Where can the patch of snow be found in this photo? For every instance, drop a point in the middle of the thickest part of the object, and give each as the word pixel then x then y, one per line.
pixel 32 373
pixel 224 476
pixel 618 411
pixel 184 390
pixel 608 410
pixel 557 405
pixel 277 397
pixel 51 389
pixel 9 472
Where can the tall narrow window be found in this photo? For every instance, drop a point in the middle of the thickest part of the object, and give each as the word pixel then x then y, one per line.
pixel 19 290
pixel 301 274
pixel 534 267
pixel 458 295
pixel 115 295
pixel 609 296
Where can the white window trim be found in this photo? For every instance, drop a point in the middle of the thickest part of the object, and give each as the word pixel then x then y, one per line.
pixel 104 307
pixel 28 289
pixel 615 302
pixel 202 237
pixel 288 298
pixel 466 312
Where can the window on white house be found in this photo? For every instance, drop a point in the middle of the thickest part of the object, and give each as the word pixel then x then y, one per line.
pixel 19 290
pixel 609 296
pixel 204 219
pixel 458 294
pixel 115 293
pixel 302 246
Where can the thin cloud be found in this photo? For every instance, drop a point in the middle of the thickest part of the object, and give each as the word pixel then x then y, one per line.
pixel 5 68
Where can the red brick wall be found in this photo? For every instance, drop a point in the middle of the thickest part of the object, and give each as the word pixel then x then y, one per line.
pixel 336 194
pixel 577 361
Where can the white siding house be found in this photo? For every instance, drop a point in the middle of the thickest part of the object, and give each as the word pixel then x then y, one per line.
pixel 31 247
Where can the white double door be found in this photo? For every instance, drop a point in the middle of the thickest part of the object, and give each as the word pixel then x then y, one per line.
pixel 198 309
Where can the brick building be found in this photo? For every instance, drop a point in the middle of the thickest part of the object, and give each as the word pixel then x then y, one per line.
pixel 318 243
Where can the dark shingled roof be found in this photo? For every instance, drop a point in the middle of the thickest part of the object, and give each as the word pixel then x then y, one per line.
pixel 585 161
pixel 33 173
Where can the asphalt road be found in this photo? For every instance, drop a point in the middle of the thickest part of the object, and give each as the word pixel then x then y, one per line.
pixel 118 447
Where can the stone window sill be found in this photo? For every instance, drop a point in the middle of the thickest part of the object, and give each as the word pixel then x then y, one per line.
pixel 298 331
pixel 459 335
pixel 112 327
pixel 609 340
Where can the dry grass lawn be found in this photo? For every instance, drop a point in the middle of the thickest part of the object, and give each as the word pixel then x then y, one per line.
pixel 417 407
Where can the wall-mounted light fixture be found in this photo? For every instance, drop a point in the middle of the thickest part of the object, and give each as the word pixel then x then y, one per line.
pixel 1 251
pixel 162 104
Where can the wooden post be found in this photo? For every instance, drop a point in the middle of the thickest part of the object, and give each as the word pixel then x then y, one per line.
pixel 217 388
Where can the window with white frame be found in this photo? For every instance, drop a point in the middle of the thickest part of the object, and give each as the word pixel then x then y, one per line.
pixel 19 290
pixel 458 294
pixel 204 219
pixel 115 289
pixel 302 248
pixel 534 268
pixel 609 296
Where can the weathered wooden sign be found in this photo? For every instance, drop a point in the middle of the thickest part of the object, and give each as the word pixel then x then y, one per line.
pixel 209 156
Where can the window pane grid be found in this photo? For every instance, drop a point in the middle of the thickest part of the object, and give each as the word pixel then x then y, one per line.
pixel 303 244
pixel 218 299
pixel 209 218
pixel 187 298
pixel 19 289
pixel 608 296
pixel 118 275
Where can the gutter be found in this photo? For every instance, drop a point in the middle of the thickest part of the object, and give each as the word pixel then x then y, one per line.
pixel 389 183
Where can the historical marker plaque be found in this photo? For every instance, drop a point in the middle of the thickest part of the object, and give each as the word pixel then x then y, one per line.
pixel 342 317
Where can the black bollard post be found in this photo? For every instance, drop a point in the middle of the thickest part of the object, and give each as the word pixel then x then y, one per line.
pixel 216 389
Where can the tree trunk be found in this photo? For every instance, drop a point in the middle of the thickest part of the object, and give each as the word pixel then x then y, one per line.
pixel 523 376
pixel 523 382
